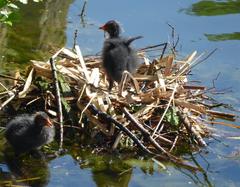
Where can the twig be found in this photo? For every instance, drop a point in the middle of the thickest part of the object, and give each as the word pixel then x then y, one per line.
pixel 81 116
pixel 194 87
pixel 27 85
pixel 215 79
pixel 221 114
pixel 200 61
pixel 221 123
pixel 72 126
pixel 94 120
pixel 7 101
pixel 4 87
pixel 174 45
pixel 75 39
pixel 12 78
pixel 117 140
pixel 191 129
pixel 125 77
pixel 189 63
pixel 56 54
pixel 4 93
pixel 161 138
pixel 159 163
pixel 11 183
pixel 152 46
pixel 82 92
pixel 148 136
pixel 58 98
pixel 164 113
pixel 173 32
pixel 174 144
pixel 109 119
pixel 32 101
pixel 163 51
pixel 82 63
pixel 83 9
pixel 142 129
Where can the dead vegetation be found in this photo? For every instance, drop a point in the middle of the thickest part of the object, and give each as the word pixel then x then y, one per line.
pixel 157 109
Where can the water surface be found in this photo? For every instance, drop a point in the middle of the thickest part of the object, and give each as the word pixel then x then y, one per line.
pixel 201 26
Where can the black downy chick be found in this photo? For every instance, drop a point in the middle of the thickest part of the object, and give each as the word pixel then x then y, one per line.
pixel 117 54
pixel 28 132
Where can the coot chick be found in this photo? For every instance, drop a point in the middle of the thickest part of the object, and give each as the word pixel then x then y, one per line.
pixel 29 132
pixel 117 54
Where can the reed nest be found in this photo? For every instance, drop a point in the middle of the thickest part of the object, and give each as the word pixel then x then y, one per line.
pixel 157 108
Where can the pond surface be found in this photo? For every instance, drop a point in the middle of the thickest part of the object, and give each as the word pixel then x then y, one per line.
pixel 202 25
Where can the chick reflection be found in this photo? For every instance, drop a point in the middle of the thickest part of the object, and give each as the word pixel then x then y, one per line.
pixel 26 170
pixel 109 177
pixel 106 170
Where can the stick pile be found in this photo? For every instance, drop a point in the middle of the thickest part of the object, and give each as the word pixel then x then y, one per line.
pixel 157 109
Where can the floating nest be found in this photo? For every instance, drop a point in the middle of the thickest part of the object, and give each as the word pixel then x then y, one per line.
pixel 157 110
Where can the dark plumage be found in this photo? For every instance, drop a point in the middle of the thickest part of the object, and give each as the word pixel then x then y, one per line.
pixel 29 132
pixel 117 54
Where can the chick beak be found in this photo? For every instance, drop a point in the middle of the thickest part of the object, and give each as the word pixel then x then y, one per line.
pixel 103 27
pixel 49 123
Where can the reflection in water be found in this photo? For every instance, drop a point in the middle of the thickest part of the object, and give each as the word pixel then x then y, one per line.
pixel 118 170
pixel 40 29
pixel 222 37
pixel 24 171
pixel 112 178
pixel 214 8
pixel 198 178
pixel 107 170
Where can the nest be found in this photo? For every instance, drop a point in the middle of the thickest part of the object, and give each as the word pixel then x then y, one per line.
pixel 157 109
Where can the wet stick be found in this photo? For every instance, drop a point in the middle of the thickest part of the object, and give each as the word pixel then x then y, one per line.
pixel 190 128
pixel 83 9
pixel 11 78
pixel 7 101
pixel 58 98
pixel 109 119
pixel 148 136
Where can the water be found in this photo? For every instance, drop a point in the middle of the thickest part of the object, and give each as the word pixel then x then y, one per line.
pixel 49 25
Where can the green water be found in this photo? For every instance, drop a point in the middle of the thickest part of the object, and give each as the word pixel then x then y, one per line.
pixel 38 32
pixel 202 25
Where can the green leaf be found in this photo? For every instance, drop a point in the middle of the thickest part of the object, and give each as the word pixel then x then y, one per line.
pixel 63 84
pixel 172 117
pixel 42 83
pixel 65 105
